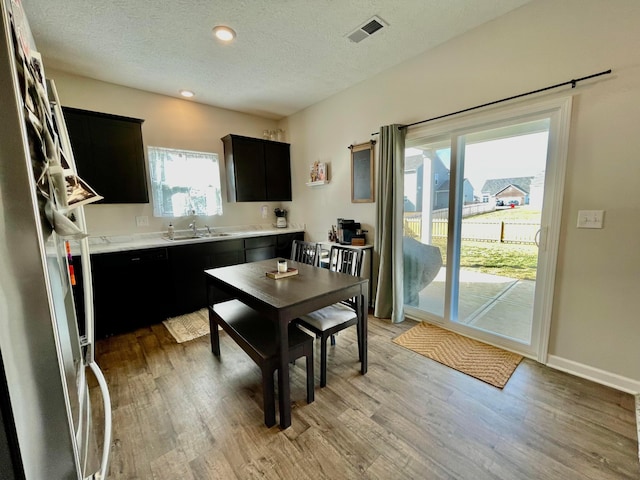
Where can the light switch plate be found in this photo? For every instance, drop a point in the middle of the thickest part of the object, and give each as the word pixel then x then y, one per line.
pixel 590 218
pixel 142 221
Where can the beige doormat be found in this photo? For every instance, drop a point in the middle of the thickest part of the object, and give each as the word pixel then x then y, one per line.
pixel 189 326
pixel 484 362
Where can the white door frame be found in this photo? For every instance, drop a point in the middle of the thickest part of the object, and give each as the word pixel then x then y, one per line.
pixel 558 109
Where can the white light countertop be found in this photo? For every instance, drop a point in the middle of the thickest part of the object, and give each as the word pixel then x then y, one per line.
pixel 121 243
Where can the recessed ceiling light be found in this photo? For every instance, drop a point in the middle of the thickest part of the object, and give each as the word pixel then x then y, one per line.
pixel 187 93
pixel 223 33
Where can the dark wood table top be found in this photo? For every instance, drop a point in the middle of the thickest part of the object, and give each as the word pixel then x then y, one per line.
pixel 290 297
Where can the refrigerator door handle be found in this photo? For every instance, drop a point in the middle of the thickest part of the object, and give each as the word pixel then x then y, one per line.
pixel 106 401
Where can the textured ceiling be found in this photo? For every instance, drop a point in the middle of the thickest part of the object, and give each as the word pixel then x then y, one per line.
pixel 288 54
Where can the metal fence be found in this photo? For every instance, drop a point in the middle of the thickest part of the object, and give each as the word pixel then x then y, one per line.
pixel 511 231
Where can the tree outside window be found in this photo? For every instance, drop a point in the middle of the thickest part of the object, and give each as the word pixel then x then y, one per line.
pixel 184 182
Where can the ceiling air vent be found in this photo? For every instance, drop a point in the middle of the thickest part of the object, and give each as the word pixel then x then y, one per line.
pixel 367 29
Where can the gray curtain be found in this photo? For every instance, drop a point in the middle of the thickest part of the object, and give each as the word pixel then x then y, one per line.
pixel 389 216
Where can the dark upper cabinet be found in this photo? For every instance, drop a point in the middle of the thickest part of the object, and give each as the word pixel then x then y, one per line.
pixel 109 154
pixel 257 170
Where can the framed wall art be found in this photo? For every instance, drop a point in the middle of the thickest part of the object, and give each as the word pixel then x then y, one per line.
pixel 362 172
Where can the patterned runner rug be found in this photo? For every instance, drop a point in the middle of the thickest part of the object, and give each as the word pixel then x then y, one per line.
pixel 484 362
pixel 189 326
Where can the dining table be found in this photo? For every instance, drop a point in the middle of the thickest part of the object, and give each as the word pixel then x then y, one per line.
pixel 282 300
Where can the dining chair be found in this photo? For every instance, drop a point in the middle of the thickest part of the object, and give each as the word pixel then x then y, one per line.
pixel 306 252
pixel 328 321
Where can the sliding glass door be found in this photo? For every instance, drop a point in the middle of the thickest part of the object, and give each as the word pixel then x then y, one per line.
pixel 481 220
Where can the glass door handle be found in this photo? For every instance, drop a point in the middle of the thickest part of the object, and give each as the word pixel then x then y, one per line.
pixel 541 237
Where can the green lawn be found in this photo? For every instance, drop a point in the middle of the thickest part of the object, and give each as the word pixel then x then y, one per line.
pixel 518 213
pixel 509 260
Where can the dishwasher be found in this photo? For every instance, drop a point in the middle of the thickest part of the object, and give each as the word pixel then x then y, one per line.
pixel 131 290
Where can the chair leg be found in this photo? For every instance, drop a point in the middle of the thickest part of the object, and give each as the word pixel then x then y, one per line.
pixel 323 361
pixel 268 398
pixel 333 339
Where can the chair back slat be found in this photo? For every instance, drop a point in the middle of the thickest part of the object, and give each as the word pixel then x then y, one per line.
pixel 345 260
pixel 306 252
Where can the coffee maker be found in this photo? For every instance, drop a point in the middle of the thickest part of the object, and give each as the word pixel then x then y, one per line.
pixel 348 230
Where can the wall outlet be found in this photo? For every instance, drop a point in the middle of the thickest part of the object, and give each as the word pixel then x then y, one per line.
pixel 142 221
pixel 265 211
pixel 590 218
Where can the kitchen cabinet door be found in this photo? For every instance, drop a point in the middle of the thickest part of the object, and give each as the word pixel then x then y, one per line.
pixel 260 248
pixel 244 159
pixel 187 265
pixel 130 290
pixel 257 170
pixel 285 242
pixel 277 171
pixel 109 154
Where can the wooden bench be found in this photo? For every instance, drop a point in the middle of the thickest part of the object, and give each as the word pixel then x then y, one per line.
pixel 257 336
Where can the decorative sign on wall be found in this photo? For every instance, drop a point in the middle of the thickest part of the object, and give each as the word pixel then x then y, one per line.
pixel 362 172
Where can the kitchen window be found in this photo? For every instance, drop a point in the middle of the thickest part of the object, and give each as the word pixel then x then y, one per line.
pixel 184 182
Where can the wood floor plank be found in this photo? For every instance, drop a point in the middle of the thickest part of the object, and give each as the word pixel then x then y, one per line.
pixel 181 413
pixel 129 459
pixel 213 465
pixel 173 464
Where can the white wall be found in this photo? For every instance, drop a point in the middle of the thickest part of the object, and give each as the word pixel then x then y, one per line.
pixel 168 122
pixel 596 312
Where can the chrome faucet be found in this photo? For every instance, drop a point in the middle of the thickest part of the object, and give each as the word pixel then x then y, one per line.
pixel 208 229
pixel 193 228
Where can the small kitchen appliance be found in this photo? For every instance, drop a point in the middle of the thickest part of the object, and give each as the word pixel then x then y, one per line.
pixel 281 218
pixel 348 230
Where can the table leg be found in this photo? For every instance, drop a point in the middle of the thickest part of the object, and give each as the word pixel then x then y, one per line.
pixel 215 336
pixel 284 393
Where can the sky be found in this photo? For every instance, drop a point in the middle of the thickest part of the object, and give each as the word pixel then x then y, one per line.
pixel 520 156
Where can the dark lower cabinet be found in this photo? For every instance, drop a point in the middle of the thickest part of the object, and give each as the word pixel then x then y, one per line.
pixel 138 288
pixel 285 242
pixel 130 290
pixel 260 248
pixel 188 263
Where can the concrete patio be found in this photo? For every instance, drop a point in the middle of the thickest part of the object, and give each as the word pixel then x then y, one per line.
pixel 493 303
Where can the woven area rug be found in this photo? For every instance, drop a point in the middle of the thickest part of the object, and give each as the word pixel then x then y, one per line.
pixel 188 327
pixel 484 362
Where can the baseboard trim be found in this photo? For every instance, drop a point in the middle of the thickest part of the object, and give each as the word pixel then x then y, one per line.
pixel 603 377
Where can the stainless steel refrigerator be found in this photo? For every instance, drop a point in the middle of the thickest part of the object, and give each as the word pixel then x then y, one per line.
pixel 47 424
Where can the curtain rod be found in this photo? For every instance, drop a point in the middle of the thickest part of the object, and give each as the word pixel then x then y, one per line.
pixel 569 82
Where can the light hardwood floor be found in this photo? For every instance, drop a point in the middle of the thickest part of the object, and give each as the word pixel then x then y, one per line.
pixel 180 413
